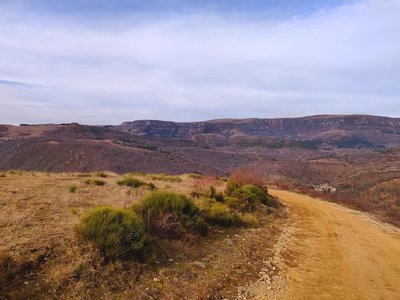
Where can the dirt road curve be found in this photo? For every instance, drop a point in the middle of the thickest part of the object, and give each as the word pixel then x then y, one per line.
pixel 338 253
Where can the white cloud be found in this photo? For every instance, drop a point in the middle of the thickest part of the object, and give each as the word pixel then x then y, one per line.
pixel 200 66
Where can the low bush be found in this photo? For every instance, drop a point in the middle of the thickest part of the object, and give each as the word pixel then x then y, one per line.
pixel 84 175
pixel 72 188
pixel 246 197
pixel 233 202
pixel 131 182
pixel 135 183
pixel 134 174
pixel 213 194
pixel 101 174
pixel 231 187
pixel 95 182
pixel 219 213
pixel 15 172
pixel 170 215
pixel 195 176
pixel 165 177
pixel 250 196
pixel 115 232
pixel 151 186
pixel 2 175
pixel 99 182
pixel 248 219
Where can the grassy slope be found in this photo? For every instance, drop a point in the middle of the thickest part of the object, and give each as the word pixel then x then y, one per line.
pixel 37 219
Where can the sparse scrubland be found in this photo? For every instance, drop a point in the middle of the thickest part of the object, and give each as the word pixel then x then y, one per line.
pixel 103 235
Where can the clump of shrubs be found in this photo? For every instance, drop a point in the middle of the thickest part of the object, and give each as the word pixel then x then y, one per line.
pixel 135 183
pixel 246 197
pixel 2 175
pixel 95 182
pixel 131 182
pixel 162 215
pixel 225 215
pixel 170 215
pixel 117 233
pixel 101 174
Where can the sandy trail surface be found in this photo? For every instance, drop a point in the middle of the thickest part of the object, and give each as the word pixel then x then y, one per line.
pixel 338 253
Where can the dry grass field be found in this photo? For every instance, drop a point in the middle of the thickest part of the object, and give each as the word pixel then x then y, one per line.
pixel 43 258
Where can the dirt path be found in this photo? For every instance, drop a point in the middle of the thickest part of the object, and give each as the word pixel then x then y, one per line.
pixel 338 253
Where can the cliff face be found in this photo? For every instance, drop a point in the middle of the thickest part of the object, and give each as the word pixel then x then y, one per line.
pixel 376 130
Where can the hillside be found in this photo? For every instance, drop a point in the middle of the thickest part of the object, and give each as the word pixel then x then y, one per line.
pixel 281 254
pixel 357 155
pixel 43 257
pixel 211 147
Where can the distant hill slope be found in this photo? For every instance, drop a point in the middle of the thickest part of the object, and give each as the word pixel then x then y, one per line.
pixel 286 147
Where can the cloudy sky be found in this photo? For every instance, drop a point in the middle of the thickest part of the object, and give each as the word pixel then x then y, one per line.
pixel 105 62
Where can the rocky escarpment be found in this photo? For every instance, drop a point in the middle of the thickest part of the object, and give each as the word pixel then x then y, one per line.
pixel 346 130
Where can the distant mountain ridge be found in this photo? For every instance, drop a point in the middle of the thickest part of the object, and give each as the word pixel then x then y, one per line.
pixel 377 130
pixel 210 147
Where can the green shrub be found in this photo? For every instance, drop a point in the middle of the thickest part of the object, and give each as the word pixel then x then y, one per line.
pixel 213 194
pixel 233 202
pixel 213 191
pixel 95 182
pixel 84 175
pixel 231 187
pixel 131 182
pixel 246 197
pixel 248 219
pixel 218 213
pixel 99 182
pixel 134 174
pixel 101 174
pixel 115 232
pixel 151 186
pixel 74 210
pixel 72 188
pixel 250 196
pixel 258 194
pixel 195 176
pixel 165 177
pixel 170 215
pixel 15 172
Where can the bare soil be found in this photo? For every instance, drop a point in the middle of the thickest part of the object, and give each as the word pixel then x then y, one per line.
pixel 334 253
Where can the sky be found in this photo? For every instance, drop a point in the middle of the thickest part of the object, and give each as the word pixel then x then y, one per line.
pixel 106 62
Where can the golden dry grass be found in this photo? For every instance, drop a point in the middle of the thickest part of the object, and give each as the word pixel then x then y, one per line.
pixel 37 218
